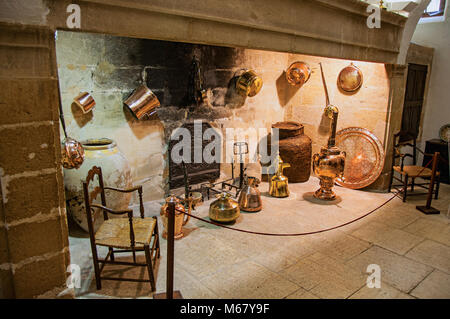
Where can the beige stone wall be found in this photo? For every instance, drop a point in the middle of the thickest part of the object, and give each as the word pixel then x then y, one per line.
pixel 33 225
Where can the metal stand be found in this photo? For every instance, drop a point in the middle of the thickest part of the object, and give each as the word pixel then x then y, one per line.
pixel 170 294
pixel 428 210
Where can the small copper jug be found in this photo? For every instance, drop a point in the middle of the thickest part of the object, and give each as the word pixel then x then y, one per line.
pixel 279 182
pixel 250 196
pixel 181 219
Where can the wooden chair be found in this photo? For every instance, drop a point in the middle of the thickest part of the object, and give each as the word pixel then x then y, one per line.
pixel 409 173
pixel 120 235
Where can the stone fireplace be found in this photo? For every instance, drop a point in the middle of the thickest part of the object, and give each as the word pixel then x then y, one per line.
pixel 266 37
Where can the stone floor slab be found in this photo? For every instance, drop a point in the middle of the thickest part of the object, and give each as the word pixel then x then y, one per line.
pixel 435 286
pixel 398 271
pixel 432 253
pixel 393 239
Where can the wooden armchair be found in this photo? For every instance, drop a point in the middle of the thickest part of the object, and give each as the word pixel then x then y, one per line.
pixel 408 173
pixel 120 235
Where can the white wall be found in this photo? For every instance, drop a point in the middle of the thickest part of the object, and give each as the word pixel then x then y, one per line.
pixel 437 110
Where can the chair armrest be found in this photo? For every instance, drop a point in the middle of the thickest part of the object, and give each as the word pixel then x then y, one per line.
pixel 115 212
pixel 128 190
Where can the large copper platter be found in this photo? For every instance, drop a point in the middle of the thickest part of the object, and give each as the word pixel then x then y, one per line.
pixel 365 157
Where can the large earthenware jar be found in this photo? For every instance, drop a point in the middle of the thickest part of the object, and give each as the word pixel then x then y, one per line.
pixel 295 149
pixel 116 173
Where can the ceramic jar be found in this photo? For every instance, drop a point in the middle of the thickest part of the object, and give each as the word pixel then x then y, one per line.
pixel 295 149
pixel 116 173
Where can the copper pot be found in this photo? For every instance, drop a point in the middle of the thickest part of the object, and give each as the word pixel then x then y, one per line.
pixel 142 102
pixel 224 209
pixel 248 83
pixel 298 73
pixel 85 101
pixel 181 219
pixel 350 78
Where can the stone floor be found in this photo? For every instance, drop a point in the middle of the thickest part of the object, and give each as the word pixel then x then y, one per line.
pixel 411 249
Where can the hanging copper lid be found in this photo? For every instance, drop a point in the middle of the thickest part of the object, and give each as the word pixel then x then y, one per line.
pixel 298 73
pixel 350 78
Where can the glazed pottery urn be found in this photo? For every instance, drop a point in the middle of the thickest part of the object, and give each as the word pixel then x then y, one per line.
pixel 116 171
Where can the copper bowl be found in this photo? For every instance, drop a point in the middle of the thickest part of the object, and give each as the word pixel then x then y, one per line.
pixel 298 73
pixel 350 78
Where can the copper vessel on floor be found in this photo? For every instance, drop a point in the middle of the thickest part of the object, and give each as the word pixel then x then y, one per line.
pixel 250 196
pixel 181 219
pixel 279 183
pixel 224 209
pixel 329 165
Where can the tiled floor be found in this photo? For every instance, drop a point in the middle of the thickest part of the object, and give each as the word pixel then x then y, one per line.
pixel 412 250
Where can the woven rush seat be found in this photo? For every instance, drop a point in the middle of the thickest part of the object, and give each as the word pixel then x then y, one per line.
pixel 414 171
pixel 115 232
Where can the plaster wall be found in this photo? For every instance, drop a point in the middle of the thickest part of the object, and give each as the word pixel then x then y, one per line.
pixel 437 111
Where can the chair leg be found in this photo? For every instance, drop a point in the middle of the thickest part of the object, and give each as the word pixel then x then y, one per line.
pixel 148 258
pixel 405 187
pixel 412 184
pixel 157 239
pixel 96 268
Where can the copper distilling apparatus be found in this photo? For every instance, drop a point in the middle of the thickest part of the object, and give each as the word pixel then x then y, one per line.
pixel 329 163
pixel 250 196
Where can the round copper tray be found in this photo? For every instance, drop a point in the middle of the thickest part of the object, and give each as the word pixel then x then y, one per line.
pixel 350 78
pixel 365 157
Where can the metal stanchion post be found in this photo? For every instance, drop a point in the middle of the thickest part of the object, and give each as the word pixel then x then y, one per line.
pixel 427 209
pixel 170 294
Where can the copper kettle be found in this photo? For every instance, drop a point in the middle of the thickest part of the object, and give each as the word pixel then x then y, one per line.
pixel 250 196
pixel 224 209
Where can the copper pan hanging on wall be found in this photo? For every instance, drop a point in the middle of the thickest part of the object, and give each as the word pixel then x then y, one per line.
pixel 298 73
pixel 142 102
pixel 350 78
pixel 249 83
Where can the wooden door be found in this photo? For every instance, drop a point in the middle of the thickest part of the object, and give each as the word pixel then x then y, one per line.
pixel 414 95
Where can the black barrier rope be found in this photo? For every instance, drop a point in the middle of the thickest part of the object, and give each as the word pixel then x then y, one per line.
pixel 287 235
pixel 305 233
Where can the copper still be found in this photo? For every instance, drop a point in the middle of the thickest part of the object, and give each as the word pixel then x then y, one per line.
pixel 181 219
pixel 279 183
pixel 295 148
pixel 329 165
pixel 250 196
pixel 224 209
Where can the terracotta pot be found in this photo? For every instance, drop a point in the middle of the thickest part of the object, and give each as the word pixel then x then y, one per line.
pixel 116 173
pixel 295 149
